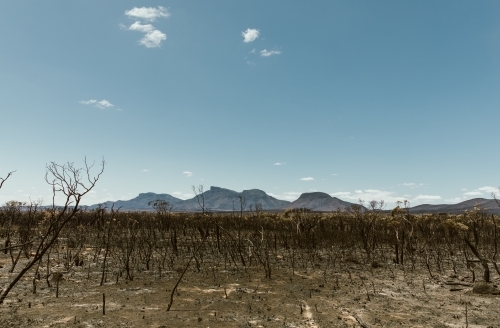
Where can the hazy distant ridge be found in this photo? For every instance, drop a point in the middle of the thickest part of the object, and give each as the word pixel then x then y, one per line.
pixel 488 205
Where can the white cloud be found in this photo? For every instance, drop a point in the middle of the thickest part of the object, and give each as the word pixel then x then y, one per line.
pixel 145 170
pixel 473 193
pixel 412 185
pixel 307 179
pixel 453 200
pixel 488 189
pixel 102 104
pixel 426 198
pixel 88 102
pixel 188 174
pixel 485 191
pixel 153 39
pixel 152 36
pixel 279 163
pixel 389 197
pixel 149 14
pixel 368 195
pixel 334 174
pixel 182 195
pixel 266 53
pixel 145 28
pixel 290 195
pixel 252 51
pixel 250 35
pixel 341 194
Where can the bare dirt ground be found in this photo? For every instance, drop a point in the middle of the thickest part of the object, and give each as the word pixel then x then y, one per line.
pixel 354 296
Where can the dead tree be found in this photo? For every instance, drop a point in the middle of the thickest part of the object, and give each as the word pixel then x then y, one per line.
pixel 243 205
pixel 74 183
pixel 200 197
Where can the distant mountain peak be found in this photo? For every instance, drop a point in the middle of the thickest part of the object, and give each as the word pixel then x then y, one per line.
pixel 214 188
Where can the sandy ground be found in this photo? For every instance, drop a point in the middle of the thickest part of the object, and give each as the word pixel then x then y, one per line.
pixel 355 296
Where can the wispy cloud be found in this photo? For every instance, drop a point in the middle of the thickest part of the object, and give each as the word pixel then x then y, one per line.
pixel 152 36
pixel 412 185
pixel 473 193
pixel 250 35
pixel 485 191
pixel 368 195
pixel 188 173
pixel 289 195
pixel 279 164
pixel 148 14
pixel 341 194
pixel 145 28
pixel 153 39
pixel 489 190
pixel 145 170
pixel 182 195
pixel 269 53
pixel 307 179
pixel 426 198
pixel 102 104
pixel 334 174
pixel 388 197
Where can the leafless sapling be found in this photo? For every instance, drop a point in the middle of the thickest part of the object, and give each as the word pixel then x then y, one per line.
pixel 200 197
pixel 73 183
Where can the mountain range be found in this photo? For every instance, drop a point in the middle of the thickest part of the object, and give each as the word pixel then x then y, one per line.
pixel 223 200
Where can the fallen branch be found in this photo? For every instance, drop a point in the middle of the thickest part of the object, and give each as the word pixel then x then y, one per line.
pixel 16 246
pixel 360 321
pixel 458 284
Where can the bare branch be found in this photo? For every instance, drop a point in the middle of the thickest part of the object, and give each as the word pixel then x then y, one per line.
pixel 2 180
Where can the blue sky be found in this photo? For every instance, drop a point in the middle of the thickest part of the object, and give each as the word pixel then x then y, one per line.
pixel 385 100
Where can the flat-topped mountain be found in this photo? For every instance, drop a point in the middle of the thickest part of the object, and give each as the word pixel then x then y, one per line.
pixel 319 201
pixel 140 203
pixel 221 199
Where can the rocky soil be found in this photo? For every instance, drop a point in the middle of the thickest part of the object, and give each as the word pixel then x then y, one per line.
pixel 355 296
